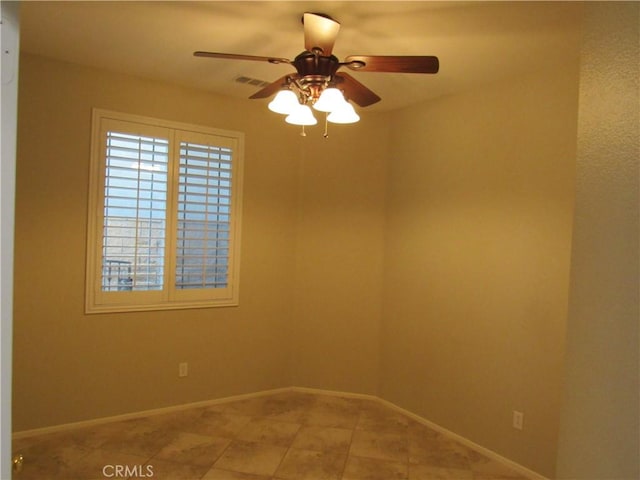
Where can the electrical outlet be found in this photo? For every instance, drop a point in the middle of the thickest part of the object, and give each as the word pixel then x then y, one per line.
pixel 183 369
pixel 518 420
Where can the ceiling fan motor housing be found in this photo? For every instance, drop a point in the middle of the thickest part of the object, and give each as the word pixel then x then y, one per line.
pixel 315 72
pixel 308 63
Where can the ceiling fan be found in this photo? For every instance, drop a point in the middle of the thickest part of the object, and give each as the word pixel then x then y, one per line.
pixel 317 70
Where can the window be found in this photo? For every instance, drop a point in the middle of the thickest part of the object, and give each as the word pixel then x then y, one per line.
pixel 164 215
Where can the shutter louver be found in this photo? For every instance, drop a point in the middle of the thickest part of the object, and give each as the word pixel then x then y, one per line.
pixel 203 216
pixel 135 204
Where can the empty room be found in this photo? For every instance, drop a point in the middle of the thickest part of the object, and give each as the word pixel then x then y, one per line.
pixel 320 240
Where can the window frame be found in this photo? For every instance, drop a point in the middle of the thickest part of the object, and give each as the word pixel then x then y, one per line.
pixel 169 297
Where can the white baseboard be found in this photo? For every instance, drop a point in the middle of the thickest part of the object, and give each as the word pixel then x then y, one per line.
pixel 145 413
pixel 524 471
pixel 362 396
pixel 334 393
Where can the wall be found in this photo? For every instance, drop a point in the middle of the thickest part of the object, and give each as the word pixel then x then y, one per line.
pixel 600 434
pixel 70 366
pixel 311 266
pixel 480 203
pixel 337 298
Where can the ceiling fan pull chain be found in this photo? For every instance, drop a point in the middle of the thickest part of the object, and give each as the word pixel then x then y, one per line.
pixel 303 133
pixel 326 125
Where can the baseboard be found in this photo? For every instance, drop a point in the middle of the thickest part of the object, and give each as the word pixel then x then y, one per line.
pixel 522 470
pixel 144 413
pixel 175 408
pixel 334 393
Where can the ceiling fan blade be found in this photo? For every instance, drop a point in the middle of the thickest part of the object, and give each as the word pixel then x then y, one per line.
pixel 392 63
pixel 233 56
pixel 355 91
pixel 273 87
pixel 320 32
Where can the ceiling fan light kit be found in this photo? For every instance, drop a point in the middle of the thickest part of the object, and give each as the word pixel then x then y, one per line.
pixel 301 115
pixel 284 102
pixel 330 99
pixel 331 102
pixel 317 82
pixel 345 114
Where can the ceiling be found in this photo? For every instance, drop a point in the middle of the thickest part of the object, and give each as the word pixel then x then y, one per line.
pixel 476 42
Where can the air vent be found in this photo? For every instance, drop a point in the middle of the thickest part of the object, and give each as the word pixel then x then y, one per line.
pixel 251 81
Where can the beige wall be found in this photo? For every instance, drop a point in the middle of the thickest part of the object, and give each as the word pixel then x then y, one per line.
pixel 337 298
pixel 69 366
pixel 480 203
pixel 311 262
pixel 600 433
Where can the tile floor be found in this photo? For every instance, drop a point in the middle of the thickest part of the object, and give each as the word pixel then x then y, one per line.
pixel 283 436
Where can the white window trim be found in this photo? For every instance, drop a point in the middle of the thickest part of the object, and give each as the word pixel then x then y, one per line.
pixel 97 301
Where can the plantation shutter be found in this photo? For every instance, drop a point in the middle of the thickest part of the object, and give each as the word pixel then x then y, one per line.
pixel 135 207
pixel 203 216
pixel 164 222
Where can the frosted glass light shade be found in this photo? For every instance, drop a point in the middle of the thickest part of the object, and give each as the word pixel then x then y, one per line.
pixel 330 99
pixel 284 102
pixel 345 114
pixel 302 115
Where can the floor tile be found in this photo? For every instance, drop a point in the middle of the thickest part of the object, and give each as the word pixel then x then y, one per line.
pixel 485 468
pixel 266 430
pixel 87 437
pixel 214 423
pixel 251 457
pixel 138 437
pixel 100 464
pixel 288 406
pixel 378 418
pixel 384 446
pixel 179 420
pixel 358 468
pixel 285 436
pixel 217 474
pixel 165 470
pixel 46 460
pixel 193 449
pixel 311 465
pixel 254 407
pixel 418 431
pixel 425 472
pixel 440 452
pixel 333 412
pixel 323 439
